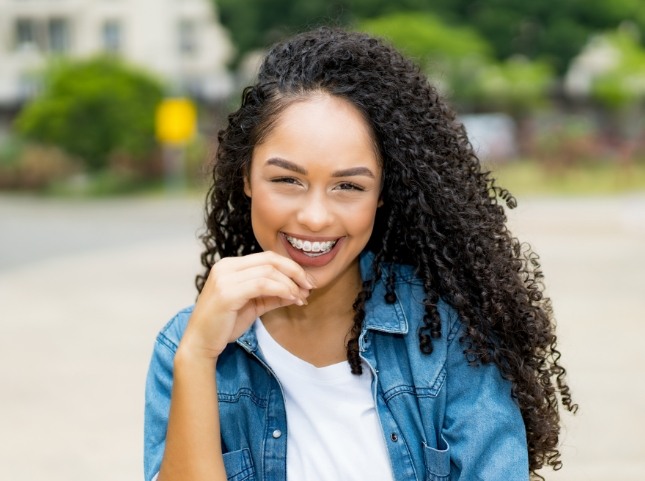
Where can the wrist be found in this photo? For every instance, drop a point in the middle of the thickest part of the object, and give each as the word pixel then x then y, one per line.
pixel 187 355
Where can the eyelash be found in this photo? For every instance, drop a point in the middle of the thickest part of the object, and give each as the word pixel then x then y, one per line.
pixel 285 180
pixel 350 186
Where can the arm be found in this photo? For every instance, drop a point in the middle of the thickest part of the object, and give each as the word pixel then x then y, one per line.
pixel 193 448
pixel 238 290
pixel 191 385
pixel 483 427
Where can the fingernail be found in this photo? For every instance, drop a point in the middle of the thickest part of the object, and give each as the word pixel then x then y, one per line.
pixel 311 281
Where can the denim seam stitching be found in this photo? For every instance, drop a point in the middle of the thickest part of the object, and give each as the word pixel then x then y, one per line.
pixel 419 392
pixel 163 340
pixel 233 398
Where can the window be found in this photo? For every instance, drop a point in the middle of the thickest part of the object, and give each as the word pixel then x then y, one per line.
pixel 112 36
pixel 187 37
pixel 58 33
pixel 25 33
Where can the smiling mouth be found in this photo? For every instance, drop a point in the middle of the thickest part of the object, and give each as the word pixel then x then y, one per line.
pixel 309 248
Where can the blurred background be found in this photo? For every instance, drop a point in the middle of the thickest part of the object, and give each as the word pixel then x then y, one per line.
pixel 109 113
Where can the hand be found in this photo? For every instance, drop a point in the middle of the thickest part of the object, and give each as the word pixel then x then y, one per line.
pixel 239 290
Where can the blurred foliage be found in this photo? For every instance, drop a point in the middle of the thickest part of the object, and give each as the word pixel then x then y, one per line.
pixel 451 56
pixel 531 177
pixel 94 109
pixel 33 167
pixel 516 85
pixel 460 61
pixel 555 31
pixel 256 24
pixel 198 152
pixel 426 38
pixel 102 184
pixel 622 85
pixel 563 141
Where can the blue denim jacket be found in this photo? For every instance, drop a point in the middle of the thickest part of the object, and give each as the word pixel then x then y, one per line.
pixel 442 419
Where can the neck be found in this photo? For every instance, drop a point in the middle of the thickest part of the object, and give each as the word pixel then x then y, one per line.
pixel 328 308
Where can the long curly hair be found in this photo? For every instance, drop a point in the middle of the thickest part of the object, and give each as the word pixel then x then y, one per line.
pixel 441 214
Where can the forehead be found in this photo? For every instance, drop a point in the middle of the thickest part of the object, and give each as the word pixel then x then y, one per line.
pixel 320 129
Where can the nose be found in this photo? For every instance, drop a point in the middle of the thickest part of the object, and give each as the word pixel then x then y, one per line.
pixel 315 213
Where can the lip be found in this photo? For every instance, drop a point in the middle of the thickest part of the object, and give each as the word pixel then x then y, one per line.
pixel 312 238
pixel 306 261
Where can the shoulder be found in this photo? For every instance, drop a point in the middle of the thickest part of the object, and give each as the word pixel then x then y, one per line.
pixel 172 332
pixel 407 312
pixel 411 296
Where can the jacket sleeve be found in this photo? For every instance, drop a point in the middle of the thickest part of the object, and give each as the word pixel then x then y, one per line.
pixel 483 426
pixel 157 404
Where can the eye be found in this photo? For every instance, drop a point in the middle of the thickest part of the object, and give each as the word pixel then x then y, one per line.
pixel 350 186
pixel 285 180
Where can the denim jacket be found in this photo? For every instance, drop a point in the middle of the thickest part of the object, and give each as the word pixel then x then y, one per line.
pixel 442 418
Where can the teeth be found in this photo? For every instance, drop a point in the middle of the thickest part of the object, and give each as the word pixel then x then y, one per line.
pixel 312 248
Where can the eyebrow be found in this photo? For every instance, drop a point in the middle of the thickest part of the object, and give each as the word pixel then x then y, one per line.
pixel 352 171
pixel 285 164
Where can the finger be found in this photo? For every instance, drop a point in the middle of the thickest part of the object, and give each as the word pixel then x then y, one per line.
pixel 267 304
pixel 255 288
pixel 224 291
pixel 287 266
pixel 268 271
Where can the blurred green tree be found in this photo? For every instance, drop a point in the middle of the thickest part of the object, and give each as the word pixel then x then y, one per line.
pixel 426 38
pixel 622 84
pixel 94 109
pixel 451 55
pixel 516 85
pixel 543 28
pixel 536 29
pixel 619 89
pixel 255 24
pixel 460 61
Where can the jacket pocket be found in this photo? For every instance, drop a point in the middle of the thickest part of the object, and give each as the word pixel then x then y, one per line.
pixel 437 462
pixel 239 465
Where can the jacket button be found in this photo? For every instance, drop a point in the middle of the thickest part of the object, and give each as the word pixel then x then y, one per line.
pixel 277 433
pixel 394 437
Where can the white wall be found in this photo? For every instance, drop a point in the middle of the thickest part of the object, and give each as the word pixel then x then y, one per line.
pixel 149 39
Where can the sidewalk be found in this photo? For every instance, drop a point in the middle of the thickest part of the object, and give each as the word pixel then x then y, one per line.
pixel 593 255
pixel 85 287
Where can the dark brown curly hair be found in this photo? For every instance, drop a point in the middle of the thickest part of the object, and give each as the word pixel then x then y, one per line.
pixel 440 214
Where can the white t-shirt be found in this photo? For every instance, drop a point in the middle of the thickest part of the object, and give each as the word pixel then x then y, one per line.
pixel 333 430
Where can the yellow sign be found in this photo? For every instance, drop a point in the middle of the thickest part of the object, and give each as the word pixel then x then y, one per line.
pixel 175 121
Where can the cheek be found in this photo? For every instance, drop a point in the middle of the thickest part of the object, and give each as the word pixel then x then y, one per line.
pixel 361 219
pixel 267 209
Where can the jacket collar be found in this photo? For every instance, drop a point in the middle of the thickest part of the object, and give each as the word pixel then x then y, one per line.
pixel 379 315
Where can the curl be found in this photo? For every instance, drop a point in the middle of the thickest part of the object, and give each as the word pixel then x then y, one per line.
pixel 441 214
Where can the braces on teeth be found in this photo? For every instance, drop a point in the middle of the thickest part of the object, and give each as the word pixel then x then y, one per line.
pixel 311 247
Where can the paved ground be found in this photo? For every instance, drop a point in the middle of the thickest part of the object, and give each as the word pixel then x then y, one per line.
pixel 85 286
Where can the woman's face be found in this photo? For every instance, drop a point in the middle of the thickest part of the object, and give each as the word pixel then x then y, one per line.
pixel 314 184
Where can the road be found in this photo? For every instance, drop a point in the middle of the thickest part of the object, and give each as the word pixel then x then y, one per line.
pixel 85 286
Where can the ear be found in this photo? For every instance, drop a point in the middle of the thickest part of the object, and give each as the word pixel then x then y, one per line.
pixel 247 185
pixel 380 203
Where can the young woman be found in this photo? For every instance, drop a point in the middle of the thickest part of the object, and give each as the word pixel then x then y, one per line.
pixel 364 313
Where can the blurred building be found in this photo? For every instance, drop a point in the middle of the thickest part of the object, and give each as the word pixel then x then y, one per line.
pixel 180 41
pixel 493 136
